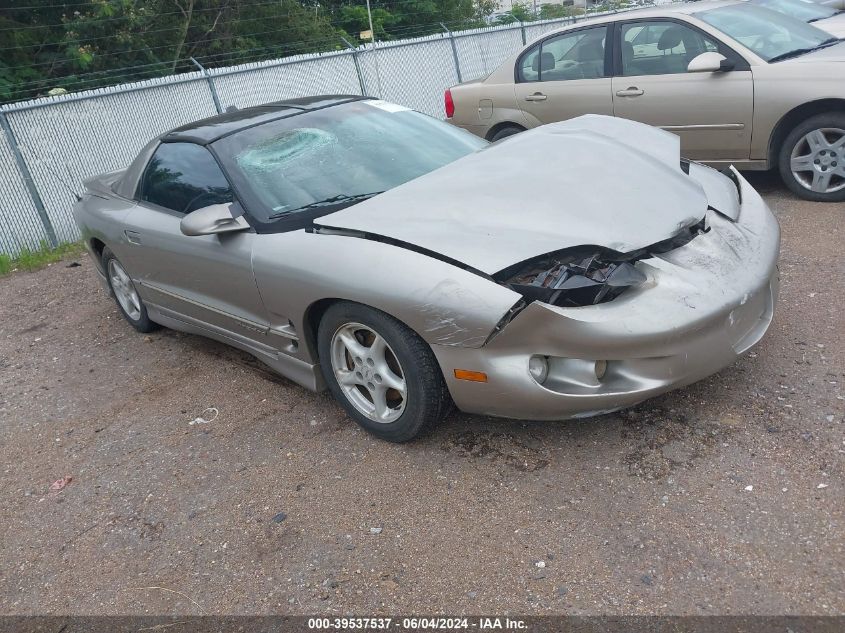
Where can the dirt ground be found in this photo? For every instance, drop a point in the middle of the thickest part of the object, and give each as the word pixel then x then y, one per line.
pixel 725 497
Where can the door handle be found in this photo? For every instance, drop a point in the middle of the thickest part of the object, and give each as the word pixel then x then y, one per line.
pixel 537 96
pixel 133 237
pixel 632 91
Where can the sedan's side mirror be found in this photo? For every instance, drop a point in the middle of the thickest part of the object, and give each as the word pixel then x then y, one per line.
pixel 710 63
pixel 211 220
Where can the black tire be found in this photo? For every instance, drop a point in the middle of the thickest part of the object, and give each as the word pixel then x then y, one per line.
pixel 142 322
pixel 506 131
pixel 427 399
pixel 834 158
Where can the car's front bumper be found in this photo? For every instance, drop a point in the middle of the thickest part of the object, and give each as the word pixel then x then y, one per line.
pixel 705 304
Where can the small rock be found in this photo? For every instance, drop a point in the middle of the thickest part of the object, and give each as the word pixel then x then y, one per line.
pixel 472 595
pixel 562 591
pixel 375 530
pixel 820 486
pixel 664 499
pixel 540 564
pixel 647 580
pixel 829 418
pixel 280 517
pixel 749 488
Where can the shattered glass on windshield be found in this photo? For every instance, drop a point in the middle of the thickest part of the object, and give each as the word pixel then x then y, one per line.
pixel 278 151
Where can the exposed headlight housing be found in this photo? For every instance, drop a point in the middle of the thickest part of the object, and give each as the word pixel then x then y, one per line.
pixel 587 275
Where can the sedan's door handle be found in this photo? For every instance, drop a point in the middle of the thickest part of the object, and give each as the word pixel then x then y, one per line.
pixel 133 237
pixel 537 96
pixel 631 91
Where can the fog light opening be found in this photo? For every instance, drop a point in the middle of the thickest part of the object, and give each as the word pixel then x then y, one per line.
pixel 538 367
pixel 600 369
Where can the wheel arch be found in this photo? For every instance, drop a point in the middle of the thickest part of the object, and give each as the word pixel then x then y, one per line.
pixel 501 126
pixel 311 323
pixel 97 246
pixel 314 314
pixel 793 118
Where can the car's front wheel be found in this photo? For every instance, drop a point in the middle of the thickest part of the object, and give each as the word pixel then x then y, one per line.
pixel 125 295
pixel 384 374
pixel 812 158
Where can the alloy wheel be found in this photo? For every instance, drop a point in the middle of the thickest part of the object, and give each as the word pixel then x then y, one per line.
pixel 124 290
pixel 817 161
pixel 368 372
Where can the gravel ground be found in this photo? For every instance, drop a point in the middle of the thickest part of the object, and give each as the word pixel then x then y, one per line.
pixel 725 497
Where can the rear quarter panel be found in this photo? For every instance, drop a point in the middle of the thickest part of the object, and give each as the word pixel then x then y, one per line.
pixel 102 217
pixel 479 106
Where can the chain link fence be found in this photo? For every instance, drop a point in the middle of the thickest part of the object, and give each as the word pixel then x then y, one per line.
pixel 50 145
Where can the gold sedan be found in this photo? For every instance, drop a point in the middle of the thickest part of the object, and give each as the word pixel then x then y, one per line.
pixel 739 84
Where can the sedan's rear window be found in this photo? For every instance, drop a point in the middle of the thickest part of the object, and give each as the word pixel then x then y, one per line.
pixel 317 162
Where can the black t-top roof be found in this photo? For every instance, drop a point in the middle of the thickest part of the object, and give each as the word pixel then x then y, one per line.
pixel 209 130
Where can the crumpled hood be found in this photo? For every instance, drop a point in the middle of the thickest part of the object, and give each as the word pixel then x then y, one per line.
pixel 594 180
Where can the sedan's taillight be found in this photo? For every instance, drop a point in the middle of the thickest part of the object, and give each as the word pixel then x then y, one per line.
pixel 450 105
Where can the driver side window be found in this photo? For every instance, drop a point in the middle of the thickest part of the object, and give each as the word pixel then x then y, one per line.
pixel 184 177
pixel 661 48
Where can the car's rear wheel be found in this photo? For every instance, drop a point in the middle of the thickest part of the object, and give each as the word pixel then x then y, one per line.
pixel 504 132
pixel 384 375
pixel 812 158
pixel 125 294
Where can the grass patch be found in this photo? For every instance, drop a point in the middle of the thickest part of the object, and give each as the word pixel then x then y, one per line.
pixel 30 260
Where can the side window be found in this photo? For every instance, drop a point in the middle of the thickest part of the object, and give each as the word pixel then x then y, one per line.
pixel 574 55
pixel 184 177
pixel 529 68
pixel 661 48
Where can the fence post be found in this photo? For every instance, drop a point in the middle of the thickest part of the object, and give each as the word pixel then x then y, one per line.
pixel 357 65
pixel 522 28
pixel 211 85
pixel 454 52
pixel 28 181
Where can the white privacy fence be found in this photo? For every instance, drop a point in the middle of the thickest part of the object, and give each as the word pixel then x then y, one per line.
pixel 49 143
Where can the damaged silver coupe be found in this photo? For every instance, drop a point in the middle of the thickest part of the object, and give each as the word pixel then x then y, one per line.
pixel 350 243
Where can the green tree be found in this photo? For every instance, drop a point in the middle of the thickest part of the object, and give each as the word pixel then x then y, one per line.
pixel 90 43
pixel 553 11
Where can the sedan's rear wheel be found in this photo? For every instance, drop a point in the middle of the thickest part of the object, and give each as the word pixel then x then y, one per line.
pixel 125 294
pixel 812 159
pixel 506 131
pixel 383 374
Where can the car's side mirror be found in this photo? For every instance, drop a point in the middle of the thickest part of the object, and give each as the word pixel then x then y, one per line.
pixel 216 218
pixel 710 63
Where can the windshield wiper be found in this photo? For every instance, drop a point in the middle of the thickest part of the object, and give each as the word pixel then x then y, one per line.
pixel 328 202
pixel 802 51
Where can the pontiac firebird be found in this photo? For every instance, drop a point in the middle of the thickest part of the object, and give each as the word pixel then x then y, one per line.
pixel 354 244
